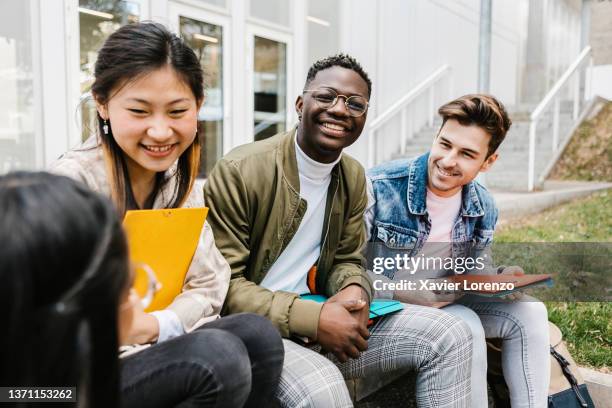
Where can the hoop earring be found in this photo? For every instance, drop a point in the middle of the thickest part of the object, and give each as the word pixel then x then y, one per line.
pixel 105 127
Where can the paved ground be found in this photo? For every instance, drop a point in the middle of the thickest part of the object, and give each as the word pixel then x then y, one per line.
pixel 512 205
pixel 400 393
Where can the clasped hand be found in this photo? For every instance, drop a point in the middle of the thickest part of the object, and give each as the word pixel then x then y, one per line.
pixel 343 323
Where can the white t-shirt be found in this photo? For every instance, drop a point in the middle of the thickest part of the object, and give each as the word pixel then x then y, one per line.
pixel 289 272
pixel 443 213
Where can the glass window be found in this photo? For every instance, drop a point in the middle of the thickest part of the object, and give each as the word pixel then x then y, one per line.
pixel 17 134
pixel 270 87
pixel 323 29
pixel 218 3
pixel 97 20
pixel 207 42
pixel 274 11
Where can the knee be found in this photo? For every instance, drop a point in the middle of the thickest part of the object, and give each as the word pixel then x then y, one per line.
pixel 221 355
pixel 261 333
pixel 263 341
pixel 534 318
pixel 310 380
pixel 456 335
pixel 322 387
pixel 471 319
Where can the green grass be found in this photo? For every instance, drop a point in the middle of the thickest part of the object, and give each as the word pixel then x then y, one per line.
pixel 586 326
pixel 588 155
pixel 582 220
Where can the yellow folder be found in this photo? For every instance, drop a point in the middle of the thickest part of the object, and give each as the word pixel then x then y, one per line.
pixel 165 240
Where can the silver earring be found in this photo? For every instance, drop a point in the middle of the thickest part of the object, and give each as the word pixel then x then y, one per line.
pixel 105 127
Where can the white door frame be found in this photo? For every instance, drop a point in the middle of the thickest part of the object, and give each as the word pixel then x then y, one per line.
pixel 274 35
pixel 205 15
pixel 60 50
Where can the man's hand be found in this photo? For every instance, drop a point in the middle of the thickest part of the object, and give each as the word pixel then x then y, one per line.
pixel 354 292
pixel 516 271
pixel 341 333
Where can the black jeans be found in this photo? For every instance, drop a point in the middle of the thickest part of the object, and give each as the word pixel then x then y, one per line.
pixel 231 362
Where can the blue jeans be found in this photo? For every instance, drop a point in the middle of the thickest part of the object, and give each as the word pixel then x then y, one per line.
pixel 231 362
pixel 523 328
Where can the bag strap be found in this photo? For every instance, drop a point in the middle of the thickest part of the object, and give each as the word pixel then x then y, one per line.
pixel 569 376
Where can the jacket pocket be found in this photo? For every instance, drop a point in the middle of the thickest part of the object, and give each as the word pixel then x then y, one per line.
pixel 482 238
pixel 396 237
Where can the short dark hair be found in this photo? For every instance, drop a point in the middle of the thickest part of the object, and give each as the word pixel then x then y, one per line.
pixel 480 110
pixel 338 60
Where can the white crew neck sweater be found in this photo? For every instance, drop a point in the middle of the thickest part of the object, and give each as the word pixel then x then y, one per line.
pixel 289 272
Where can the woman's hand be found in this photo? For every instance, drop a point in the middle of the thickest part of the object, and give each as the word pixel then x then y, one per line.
pixel 144 327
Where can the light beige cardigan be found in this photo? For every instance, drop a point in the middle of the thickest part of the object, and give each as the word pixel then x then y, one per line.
pixel 207 279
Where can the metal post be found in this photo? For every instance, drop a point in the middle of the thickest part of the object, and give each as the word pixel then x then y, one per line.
pixel 577 76
pixel 431 106
pixel 451 84
pixel 585 23
pixel 590 75
pixel 484 50
pixel 403 130
pixel 371 149
pixel 555 140
pixel 410 121
pixel 531 174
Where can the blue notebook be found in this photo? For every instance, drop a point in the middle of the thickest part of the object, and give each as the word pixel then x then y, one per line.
pixel 378 307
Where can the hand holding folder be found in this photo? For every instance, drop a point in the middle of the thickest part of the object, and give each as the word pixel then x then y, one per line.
pixel 164 241
pixel 378 307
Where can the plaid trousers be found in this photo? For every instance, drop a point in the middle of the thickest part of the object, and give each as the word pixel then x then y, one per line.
pixel 430 341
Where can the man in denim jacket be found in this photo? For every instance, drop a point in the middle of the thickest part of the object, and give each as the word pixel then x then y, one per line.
pixel 431 206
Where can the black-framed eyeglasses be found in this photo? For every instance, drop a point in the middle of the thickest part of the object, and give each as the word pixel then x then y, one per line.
pixel 327 98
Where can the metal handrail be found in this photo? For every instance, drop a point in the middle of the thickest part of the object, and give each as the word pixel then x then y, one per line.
pixel 552 96
pixel 537 112
pixel 400 104
pixel 407 98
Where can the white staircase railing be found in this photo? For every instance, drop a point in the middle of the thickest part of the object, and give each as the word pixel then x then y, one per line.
pixel 407 117
pixel 554 97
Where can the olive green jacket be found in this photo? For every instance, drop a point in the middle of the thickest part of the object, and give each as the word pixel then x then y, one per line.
pixel 255 210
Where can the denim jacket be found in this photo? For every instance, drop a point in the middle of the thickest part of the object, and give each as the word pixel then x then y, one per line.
pixel 397 216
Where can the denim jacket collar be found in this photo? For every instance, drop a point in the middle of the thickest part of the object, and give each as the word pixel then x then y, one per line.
pixel 417 191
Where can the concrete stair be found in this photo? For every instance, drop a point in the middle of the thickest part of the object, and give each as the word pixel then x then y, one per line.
pixel 510 172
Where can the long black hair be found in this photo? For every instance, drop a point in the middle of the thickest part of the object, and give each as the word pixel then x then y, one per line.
pixel 63 268
pixel 129 53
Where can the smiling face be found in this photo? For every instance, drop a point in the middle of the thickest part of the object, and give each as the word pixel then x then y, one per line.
pixel 457 155
pixel 323 133
pixel 153 120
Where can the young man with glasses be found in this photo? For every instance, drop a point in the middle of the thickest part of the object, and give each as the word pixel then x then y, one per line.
pixel 287 214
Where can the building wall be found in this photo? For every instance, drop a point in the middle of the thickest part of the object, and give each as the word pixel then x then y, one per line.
pixel 601 32
pixel 401 42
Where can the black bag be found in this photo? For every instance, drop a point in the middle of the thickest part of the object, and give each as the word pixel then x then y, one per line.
pixel 567 388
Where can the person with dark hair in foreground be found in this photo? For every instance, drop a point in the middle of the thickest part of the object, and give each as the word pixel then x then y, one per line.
pixel 64 274
pixel 287 213
pixel 148 89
